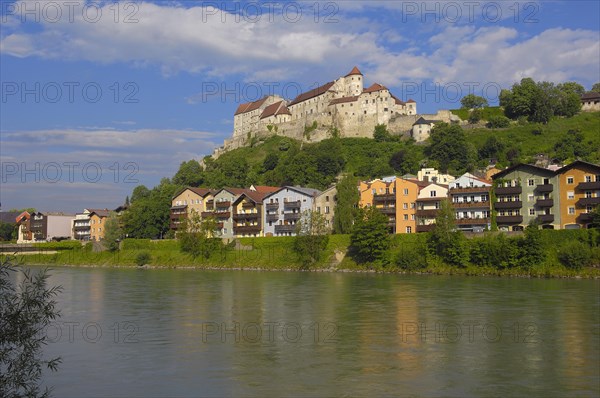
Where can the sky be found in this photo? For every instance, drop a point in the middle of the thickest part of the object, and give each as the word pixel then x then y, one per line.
pixel 100 96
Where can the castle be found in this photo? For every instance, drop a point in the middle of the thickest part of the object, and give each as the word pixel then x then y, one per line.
pixel 342 107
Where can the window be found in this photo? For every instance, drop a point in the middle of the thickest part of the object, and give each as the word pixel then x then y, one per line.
pixel 433 194
pixel 413 205
pixel 405 191
pixel 405 217
pixel 530 182
pixel 570 195
pixel 409 230
pixel 531 212
pixel 412 217
pixel 99 229
pixel 570 180
pixel 326 198
pixel 588 194
pixel 318 209
pixel 326 209
pixel 588 178
pixel 405 206
pixel 530 197
pixel 571 210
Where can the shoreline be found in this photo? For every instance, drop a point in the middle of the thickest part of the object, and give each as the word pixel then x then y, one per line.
pixel 441 272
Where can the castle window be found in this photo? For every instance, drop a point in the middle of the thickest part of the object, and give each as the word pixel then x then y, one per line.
pixel 365 112
pixel 385 109
pixel 373 100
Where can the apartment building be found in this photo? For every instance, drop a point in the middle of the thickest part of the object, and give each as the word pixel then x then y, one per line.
pixel 80 229
pixel 470 197
pixel 429 202
pixel 526 194
pixel 284 208
pixel 39 226
pixel 579 193
pixel 247 215
pixel 325 205
pixel 429 174
pixel 186 200
pixel 98 219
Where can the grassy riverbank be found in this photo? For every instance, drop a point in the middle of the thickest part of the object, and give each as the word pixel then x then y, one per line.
pixel 277 253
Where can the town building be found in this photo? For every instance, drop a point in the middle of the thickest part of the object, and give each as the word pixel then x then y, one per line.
pixel 187 200
pixel 526 194
pixel 429 174
pixel 325 205
pixel 590 102
pixel 429 201
pixel 98 219
pixel 38 226
pixel 470 197
pixel 284 209
pixel 81 229
pixel 579 193
pixel 248 214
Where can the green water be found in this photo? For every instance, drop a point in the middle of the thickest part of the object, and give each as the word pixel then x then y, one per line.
pixel 234 333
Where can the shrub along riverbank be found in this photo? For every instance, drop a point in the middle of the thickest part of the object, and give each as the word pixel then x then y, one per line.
pixel 566 253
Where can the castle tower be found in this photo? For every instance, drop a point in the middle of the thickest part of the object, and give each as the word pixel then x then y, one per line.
pixel 354 82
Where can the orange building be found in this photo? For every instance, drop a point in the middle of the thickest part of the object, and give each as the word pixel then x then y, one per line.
pixel 98 218
pixel 394 197
pixel 579 184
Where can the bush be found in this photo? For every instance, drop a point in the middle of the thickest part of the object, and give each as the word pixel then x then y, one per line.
pixel 411 257
pixel 575 255
pixel 498 122
pixel 143 258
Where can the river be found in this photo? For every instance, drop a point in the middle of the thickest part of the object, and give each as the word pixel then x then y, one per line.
pixel 154 333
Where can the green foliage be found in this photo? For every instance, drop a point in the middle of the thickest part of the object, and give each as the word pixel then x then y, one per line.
pixel 496 251
pixel 572 145
pixel 485 113
pixel 311 238
pixel 370 238
pixel 412 257
pixel 498 122
pixel 143 258
pixel 445 241
pixel 112 232
pixel 471 101
pixel 492 148
pixel 475 116
pixel 63 245
pixel 448 146
pixel 198 236
pixel 575 254
pixel 406 160
pixel 190 174
pixel 26 311
pixel 381 133
pixel 531 247
pixel 346 207
pixel 596 88
pixel 8 231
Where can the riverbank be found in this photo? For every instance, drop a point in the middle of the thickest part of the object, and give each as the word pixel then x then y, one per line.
pixel 277 254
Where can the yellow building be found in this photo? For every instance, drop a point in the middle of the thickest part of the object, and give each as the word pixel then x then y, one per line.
pixel 579 184
pixel 98 218
pixel 198 199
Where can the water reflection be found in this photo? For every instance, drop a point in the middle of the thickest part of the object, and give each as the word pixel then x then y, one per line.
pixel 190 333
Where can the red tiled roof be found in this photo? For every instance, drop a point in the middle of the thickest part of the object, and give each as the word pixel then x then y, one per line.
pixel 343 100
pixel 201 191
pixel 354 71
pixel 256 197
pixel 100 212
pixel 250 106
pixel 266 188
pixel 398 101
pixel 411 100
pixel 312 93
pixel 275 109
pixel 374 87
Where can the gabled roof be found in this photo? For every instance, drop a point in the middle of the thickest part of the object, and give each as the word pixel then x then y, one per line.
pixel 202 192
pixel 23 216
pixel 579 163
pixel 312 93
pixel 591 95
pixel 250 106
pixel 278 108
pixel 100 212
pixel 254 196
pixel 397 100
pixel 305 191
pixel 265 188
pixel 374 87
pixel 233 191
pixel 354 71
pixel 411 101
pixel 533 168
pixel 343 100
pixel 421 120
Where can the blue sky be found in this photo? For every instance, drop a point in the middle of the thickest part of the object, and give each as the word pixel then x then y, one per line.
pixel 101 86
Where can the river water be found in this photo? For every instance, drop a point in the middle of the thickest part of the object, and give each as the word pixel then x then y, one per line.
pixel 129 332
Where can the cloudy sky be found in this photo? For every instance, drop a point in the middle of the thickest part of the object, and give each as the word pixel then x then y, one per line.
pixel 98 97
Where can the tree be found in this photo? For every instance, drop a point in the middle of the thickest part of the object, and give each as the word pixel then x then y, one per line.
pixel 270 161
pixel 140 192
pixel 571 146
pixel 198 236
pixel 531 248
pixel 26 311
pixel 472 101
pixel 346 205
pixel 448 146
pixel 8 231
pixel 596 88
pixel 381 133
pixel 311 237
pixel 112 232
pixel 148 215
pixel 475 116
pixel 491 148
pixel 497 122
pixel 190 173
pixel 406 160
pixel 444 240
pixel 369 239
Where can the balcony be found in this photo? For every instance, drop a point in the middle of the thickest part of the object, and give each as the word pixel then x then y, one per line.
pixel 462 205
pixel 291 216
pixel 425 228
pixel 508 190
pixel 248 205
pixel 272 206
pixel 206 214
pixel 584 202
pixel 473 221
pixel 509 220
pixel 272 217
pixel 508 205
pixel 545 218
pixel 544 202
pixel 245 216
pixel 245 229
pixel 210 204
pixel 292 205
pixel 387 197
pixel 464 190
pixel 427 213
pixel 223 204
pixel 282 229
pixel 585 218
pixel 222 214
pixel 387 210
pixel 81 227
pixel 589 186
pixel 544 188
